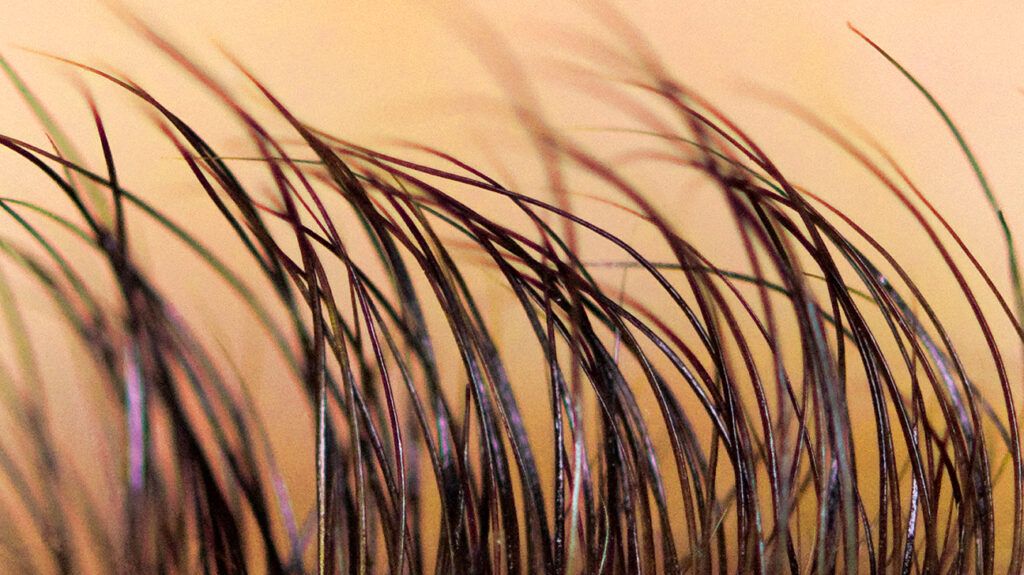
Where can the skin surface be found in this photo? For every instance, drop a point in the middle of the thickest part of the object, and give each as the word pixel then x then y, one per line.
pixel 375 72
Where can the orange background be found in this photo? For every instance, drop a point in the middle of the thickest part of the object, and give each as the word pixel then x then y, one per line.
pixel 377 71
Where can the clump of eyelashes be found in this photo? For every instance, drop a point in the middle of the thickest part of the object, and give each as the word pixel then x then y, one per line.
pixel 806 413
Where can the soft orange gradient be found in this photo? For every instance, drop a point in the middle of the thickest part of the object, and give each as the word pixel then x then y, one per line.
pixel 379 71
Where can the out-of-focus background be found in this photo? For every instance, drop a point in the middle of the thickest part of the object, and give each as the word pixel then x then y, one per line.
pixel 380 71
